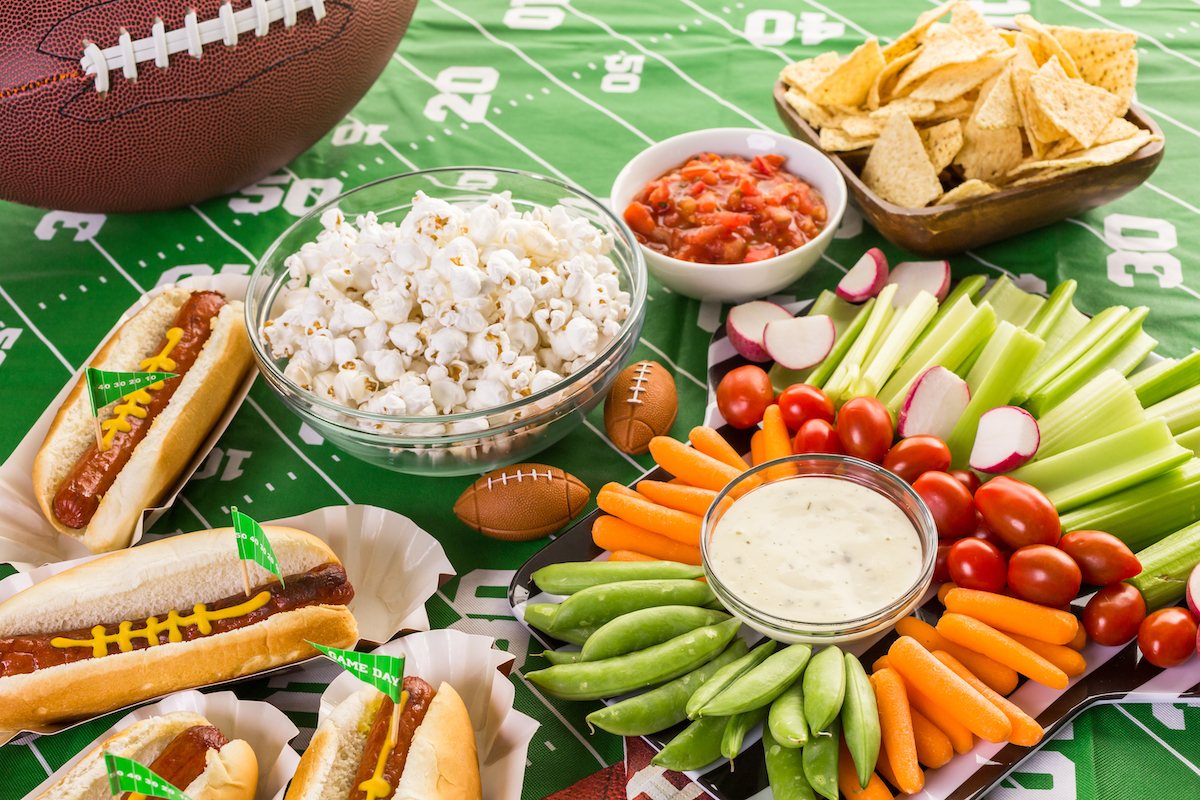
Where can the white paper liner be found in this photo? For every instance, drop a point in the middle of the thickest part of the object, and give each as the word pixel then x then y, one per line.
pixel 265 728
pixel 27 539
pixel 477 672
pixel 393 565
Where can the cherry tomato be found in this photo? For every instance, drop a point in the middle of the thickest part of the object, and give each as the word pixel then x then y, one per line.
pixel 941 566
pixel 976 564
pixel 968 479
pixel 949 502
pixel 1113 615
pixel 743 395
pixel 865 428
pixel 1018 513
pixel 982 531
pixel 912 457
pixel 1043 574
pixel 1103 558
pixel 800 402
pixel 817 436
pixel 1167 638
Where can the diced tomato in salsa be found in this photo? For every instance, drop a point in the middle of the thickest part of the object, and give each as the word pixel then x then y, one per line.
pixel 726 210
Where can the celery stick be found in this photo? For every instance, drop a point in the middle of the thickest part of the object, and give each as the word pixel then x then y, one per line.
pixel 1050 313
pixel 882 338
pixel 1181 411
pixel 1157 383
pixel 1104 466
pixel 1073 350
pixel 1166 565
pixel 1133 353
pixel 1070 323
pixel 912 322
pixel 1012 304
pixel 966 288
pixel 1189 439
pixel 1004 360
pixel 1105 405
pixel 968 363
pixel 840 312
pixel 1143 514
pixel 948 319
pixel 851 367
pixel 1089 365
pixel 841 345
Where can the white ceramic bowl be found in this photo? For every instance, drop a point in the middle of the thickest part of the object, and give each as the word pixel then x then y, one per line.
pixel 735 283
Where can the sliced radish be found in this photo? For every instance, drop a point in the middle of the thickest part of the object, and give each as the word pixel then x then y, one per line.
pixel 800 342
pixel 865 279
pixel 913 277
pixel 1007 437
pixel 1193 591
pixel 745 326
pixel 933 405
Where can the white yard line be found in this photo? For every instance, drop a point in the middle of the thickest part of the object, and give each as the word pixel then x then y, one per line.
pixel 836 264
pixel 116 266
pixel 1170 196
pixel 390 149
pixel 1140 35
pixel 35 330
pixel 1172 120
pixel 675 366
pixel 253 258
pixel 195 511
pixel 609 442
pixel 990 264
pixel 736 32
pixel 1158 739
pixel 38 755
pixel 297 450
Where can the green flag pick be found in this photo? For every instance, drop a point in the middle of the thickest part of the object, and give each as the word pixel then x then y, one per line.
pixel 253 545
pixel 106 387
pixel 384 672
pixel 126 775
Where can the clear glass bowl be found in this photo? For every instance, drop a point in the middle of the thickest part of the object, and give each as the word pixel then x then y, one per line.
pixel 513 432
pixel 847 468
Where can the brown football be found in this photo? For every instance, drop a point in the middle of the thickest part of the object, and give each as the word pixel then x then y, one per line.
pixel 522 502
pixel 641 405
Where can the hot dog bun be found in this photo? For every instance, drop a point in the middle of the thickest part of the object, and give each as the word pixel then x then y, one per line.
pixel 161 457
pixel 442 761
pixel 230 773
pixel 174 573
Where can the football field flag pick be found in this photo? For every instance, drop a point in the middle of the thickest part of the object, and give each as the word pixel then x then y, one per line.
pixel 126 775
pixel 253 545
pixel 384 672
pixel 107 387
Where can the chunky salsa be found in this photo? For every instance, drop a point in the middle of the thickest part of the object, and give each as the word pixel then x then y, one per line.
pixel 726 210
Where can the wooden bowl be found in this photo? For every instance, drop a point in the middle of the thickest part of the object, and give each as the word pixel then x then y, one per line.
pixel 944 230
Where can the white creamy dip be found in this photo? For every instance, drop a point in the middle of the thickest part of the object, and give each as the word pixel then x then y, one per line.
pixel 815 549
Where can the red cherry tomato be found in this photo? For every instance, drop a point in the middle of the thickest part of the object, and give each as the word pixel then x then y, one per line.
pixel 1113 615
pixel 865 428
pixel 975 564
pixel 912 457
pixel 800 402
pixel 817 436
pixel 941 566
pixel 1018 513
pixel 743 395
pixel 949 502
pixel 968 479
pixel 1103 558
pixel 1043 574
pixel 982 531
pixel 1167 638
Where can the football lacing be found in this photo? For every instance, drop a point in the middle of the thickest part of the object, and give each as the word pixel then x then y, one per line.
pixel 226 27
pixel 504 476
pixel 644 368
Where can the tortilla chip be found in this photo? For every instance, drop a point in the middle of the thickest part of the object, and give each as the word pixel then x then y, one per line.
pixel 806 74
pixel 809 111
pixel 1081 110
pixel 989 155
pixel 1118 129
pixel 942 143
pixel 909 41
pixel 1009 37
pixel 1024 57
pixel 1044 175
pixel 885 81
pixel 1100 156
pixel 956 80
pixel 944 47
pixel 966 191
pixel 898 169
pixel 862 127
pixel 850 83
pixel 959 109
pixel 836 140
pixel 1038 126
pixel 997 106
pixel 913 109
pixel 1105 58
pixel 1047 43
pixel 972 25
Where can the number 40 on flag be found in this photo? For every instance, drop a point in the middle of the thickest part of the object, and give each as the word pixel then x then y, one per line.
pixel 253 545
pixel 126 775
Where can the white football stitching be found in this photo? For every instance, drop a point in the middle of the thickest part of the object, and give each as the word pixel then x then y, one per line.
pixel 504 476
pixel 644 368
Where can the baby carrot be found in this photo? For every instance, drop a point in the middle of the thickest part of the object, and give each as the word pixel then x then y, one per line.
pixel 1059 655
pixel 883 662
pixel 691 465
pixel 681 498
pixel 678 482
pixel 777 443
pixel 944 590
pixel 1014 616
pixel 1025 730
pixel 933 678
pixel 1080 640
pixel 883 768
pixel 848 783
pixel 617 534
pixel 620 488
pixel 630 555
pixel 895 722
pixel 983 638
pixel 933 746
pixel 1001 678
pixel 758 453
pixel 711 443
pixel 960 736
pixel 678 525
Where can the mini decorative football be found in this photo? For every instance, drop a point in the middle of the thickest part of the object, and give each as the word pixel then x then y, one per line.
pixel 641 405
pixel 522 502
pixel 139 105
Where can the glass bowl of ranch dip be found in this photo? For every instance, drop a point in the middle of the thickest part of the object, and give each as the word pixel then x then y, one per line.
pixel 819 548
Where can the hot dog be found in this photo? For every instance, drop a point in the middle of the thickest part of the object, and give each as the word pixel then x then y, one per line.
pixel 353 757
pixel 182 748
pixel 165 616
pixel 96 493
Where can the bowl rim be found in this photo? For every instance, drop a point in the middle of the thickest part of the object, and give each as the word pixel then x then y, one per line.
pixel 832 221
pixel 632 322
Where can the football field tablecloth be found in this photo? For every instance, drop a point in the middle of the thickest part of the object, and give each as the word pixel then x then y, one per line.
pixel 574 90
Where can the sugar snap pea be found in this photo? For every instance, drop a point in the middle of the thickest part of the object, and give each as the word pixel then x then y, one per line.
pixel 820 757
pixel 759 686
pixel 698 745
pixel 736 729
pixel 593 680
pixel 561 657
pixel 596 605
pixel 786 719
pixel 659 709
pixel 644 628
pixel 541 615
pixel 726 676
pixel 785 770
pixel 574 576
pixel 824 689
pixel 860 720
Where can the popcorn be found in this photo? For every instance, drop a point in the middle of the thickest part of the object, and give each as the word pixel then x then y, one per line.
pixel 455 309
